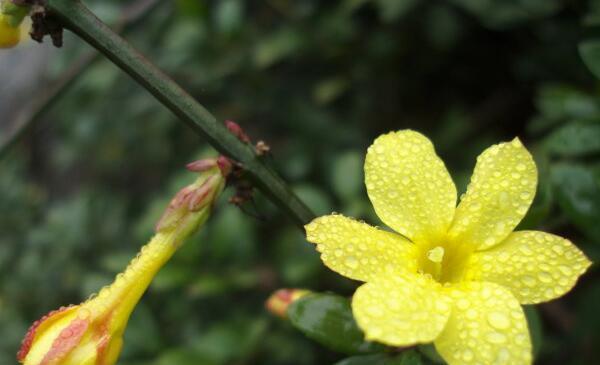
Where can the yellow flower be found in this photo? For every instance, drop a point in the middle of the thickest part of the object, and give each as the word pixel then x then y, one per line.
pixel 9 35
pixel 452 275
pixel 11 23
pixel 92 333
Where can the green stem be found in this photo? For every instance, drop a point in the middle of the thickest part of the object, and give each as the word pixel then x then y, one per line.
pixel 78 18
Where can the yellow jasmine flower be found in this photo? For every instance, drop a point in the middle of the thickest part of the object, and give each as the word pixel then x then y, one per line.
pixel 11 19
pixel 9 35
pixel 452 275
pixel 91 333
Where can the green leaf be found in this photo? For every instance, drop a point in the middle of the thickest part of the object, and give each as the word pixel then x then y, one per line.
pixel 589 51
pixel 410 357
pixel 559 102
pixel 328 319
pixel 578 193
pixel 574 140
pixel 431 353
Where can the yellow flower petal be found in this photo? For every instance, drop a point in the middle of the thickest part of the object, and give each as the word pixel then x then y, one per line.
pixel 501 190
pixel 43 332
pixel 401 310
pixel 487 326
pixel 358 250
pixel 535 266
pixel 409 185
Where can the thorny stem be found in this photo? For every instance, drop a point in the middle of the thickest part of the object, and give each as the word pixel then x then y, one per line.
pixel 75 16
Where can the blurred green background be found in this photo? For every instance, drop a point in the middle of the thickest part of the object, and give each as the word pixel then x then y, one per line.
pixel 317 80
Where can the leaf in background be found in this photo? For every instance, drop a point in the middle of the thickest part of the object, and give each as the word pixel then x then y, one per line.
pixel 592 18
pixel 560 102
pixel 535 328
pixel 328 319
pixel 410 357
pixel 390 10
pixel 315 198
pixel 589 51
pixel 501 14
pixel 182 356
pixel 431 353
pixel 229 15
pixel 578 193
pixel 277 46
pixel 347 174
pixel 329 89
pixel 297 262
pixel 544 198
pixel 191 8
pixel 574 139
pixel 143 333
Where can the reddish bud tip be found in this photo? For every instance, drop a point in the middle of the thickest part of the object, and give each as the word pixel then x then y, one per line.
pixel 198 198
pixel 279 302
pixel 201 165
pixel 237 131
pixel 225 165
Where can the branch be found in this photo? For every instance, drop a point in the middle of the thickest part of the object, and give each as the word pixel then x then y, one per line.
pixel 40 103
pixel 78 18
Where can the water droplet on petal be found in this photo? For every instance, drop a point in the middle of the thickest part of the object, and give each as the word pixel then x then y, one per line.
pixel 496 337
pixel 351 262
pixel 462 304
pixel 498 320
pixel 545 277
pixel 528 280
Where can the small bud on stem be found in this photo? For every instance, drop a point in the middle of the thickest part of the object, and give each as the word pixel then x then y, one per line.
pixel 279 302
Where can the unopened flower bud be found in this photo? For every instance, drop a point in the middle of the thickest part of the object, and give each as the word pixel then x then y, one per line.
pixel 91 333
pixel 237 131
pixel 279 302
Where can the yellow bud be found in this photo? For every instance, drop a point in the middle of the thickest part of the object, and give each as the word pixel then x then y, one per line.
pixel 9 35
pixel 92 333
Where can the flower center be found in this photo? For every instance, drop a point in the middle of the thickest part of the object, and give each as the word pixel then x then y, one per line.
pixel 436 255
pixel 444 263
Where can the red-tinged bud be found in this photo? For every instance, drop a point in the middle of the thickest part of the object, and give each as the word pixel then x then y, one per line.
pixel 237 131
pixel 225 165
pixel 191 205
pixel 202 165
pixel 279 302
